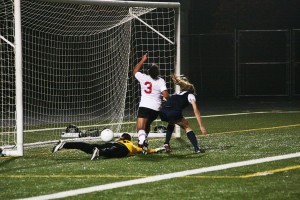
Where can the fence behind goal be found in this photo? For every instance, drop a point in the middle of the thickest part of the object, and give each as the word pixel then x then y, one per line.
pixel 77 62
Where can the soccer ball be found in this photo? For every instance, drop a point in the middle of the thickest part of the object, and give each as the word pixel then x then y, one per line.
pixel 107 135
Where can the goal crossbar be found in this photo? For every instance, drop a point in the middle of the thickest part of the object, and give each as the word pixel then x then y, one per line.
pixel 120 3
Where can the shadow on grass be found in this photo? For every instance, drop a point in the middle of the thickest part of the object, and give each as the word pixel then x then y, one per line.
pixel 182 149
pixel 7 160
pixel 220 147
pixel 188 156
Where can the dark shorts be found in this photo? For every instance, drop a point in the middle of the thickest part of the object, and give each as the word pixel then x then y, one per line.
pixel 148 113
pixel 109 149
pixel 169 114
pixel 113 150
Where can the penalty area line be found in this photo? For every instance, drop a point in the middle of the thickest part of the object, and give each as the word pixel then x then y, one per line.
pixel 161 177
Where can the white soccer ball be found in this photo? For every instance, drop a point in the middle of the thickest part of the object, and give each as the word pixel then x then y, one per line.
pixel 107 135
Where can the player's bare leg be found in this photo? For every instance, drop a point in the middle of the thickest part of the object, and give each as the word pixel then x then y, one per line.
pixel 142 136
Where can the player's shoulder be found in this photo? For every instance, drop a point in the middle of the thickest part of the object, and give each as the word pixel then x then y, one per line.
pixel 139 75
pixel 191 97
pixel 161 80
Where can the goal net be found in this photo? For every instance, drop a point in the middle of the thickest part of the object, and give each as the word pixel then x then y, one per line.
pixel 77 59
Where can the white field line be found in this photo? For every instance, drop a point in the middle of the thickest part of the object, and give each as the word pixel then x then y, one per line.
pixel 246 113
pixel 161 177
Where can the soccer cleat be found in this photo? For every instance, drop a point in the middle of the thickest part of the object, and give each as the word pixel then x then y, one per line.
pixel 95 153
pixel 168 148
pixel 145 147
pixel 199 150
pixel 58 146
pixel 141 145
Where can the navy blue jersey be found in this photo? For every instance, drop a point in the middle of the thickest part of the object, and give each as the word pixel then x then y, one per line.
pixel 179 101
pixel 172 109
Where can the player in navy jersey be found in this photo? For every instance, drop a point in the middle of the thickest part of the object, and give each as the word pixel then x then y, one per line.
pixel 171 112
pixel 152 89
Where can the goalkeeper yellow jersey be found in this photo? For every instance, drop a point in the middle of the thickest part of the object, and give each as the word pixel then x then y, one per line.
pixel 133 149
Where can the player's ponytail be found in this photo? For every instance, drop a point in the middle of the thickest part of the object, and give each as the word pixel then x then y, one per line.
pixel 184 83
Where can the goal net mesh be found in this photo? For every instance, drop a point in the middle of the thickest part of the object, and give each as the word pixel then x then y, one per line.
pixel 7 74
pixel 77 65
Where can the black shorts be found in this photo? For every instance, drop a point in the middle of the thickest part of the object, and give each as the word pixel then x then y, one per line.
pixel 148 113
pixel 113 149
pixel 168 114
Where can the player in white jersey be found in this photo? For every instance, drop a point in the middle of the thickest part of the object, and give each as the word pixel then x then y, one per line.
pixel 153 88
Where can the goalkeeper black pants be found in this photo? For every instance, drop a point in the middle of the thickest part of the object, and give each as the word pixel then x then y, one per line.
pixel 109 149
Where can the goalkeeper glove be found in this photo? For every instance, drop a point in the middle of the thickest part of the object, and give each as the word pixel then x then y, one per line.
pixel 159 150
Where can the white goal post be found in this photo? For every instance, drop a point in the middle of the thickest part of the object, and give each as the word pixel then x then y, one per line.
pixel 69 62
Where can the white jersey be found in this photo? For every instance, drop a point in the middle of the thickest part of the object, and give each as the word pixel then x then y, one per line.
pixel 150 91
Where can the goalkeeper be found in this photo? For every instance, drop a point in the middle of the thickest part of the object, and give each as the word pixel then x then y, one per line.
pixel 122 147
pixel 171 112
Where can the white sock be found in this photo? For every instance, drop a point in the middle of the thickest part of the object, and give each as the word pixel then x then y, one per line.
pixel 142 136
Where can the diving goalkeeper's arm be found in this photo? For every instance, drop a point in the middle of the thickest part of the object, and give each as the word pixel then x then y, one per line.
pixel 133 149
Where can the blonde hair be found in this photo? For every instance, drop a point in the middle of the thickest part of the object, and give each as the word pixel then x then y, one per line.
pixel 184 83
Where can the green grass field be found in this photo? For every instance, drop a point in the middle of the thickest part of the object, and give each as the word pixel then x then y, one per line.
pixel 230 139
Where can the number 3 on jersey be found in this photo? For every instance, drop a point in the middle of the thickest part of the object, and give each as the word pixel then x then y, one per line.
pixel 148 89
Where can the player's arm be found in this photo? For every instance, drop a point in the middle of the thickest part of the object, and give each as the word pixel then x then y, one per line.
pixel 136 149
pixel 156 150
pixel 198 117
pixel 164 90
pixel 165 95
pixel 140 64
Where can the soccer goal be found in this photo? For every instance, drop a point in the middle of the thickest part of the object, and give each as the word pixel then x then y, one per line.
pixel 70 62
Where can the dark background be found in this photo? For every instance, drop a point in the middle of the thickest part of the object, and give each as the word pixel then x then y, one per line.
pixel 241 49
